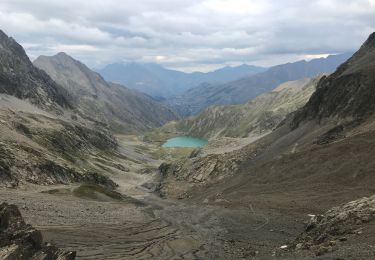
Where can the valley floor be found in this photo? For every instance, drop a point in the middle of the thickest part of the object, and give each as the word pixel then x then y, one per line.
pixel 149 227
pixel 159 229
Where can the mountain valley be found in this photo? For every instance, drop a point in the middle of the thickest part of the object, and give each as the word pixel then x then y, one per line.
pixel 288 171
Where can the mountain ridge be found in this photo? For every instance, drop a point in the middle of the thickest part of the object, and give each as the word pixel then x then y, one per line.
pixel 155 80
pixel 245 89
pixel 123 109
pixel 348 92
pixel 254 118
pixel 41 143
pixel 20 78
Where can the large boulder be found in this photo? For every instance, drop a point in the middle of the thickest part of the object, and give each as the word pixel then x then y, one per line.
pixel 324 232
pixel 20 241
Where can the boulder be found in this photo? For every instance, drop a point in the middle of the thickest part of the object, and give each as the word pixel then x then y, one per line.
pixel 324 232
pixel 20 241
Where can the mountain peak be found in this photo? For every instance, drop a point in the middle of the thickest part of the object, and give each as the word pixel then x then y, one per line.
pixel 8 44
pixel 370 42
pixel 3 35
pixel 60 57
pixel 18 77
pixel 63 56
pixel 348 93
pixel 5 38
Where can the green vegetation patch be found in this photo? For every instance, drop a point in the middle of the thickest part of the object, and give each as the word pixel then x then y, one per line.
pixel 96 192
pixel 100 193
pixel 63 191
pixel 158 136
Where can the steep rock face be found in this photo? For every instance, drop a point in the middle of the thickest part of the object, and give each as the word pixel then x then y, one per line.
pixel 124 110
pixel 240 91
pixel 42 141
pixel 44 150
pixel 18 77
pixel 21 241
pixel 254 118
pixel 349 93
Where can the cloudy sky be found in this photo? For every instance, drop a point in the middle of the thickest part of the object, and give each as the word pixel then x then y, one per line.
pixel 188 34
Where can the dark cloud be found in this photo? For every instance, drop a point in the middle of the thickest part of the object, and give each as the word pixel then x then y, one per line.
pixel 188 35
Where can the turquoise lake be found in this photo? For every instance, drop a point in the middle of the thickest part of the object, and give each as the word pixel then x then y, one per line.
pixel 185 141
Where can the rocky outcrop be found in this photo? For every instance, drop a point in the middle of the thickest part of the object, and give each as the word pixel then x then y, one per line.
pixel 324 232
pixel 18 77
pixel 42 170
pixel 348 93
pixel 44 150
pixel 177 177
pixel 20 241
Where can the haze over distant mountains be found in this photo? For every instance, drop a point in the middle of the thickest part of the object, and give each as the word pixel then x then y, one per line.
pixel 190 93
pixel 157 81
pixel 242 90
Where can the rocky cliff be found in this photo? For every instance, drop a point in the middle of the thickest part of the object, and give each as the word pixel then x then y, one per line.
pixel 18 77
pixel 349 93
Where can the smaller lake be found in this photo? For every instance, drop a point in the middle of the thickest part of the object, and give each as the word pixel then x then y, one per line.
pixel 185 141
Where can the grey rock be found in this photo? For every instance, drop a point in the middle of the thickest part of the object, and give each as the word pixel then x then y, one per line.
pixel 18 77
pixel 20 241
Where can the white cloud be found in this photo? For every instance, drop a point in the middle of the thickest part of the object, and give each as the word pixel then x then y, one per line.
pixel 241 7
pixel 199 34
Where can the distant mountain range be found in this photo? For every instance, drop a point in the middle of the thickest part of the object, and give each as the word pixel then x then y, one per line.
pixel 157 81
pixel 242 90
